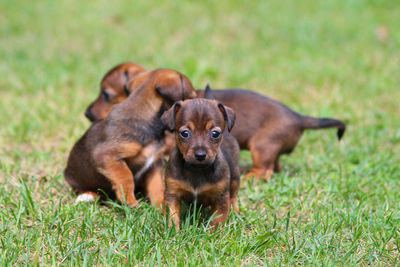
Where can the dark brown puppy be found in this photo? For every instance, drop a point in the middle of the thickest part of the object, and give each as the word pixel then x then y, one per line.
pixel 113 89
pixel 268 128
pixel 264 126
pixel 124 150
pixel 204 164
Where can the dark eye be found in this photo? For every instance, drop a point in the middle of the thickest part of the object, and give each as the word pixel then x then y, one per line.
pixel 215 134
pixel 105 95
pixel 185 134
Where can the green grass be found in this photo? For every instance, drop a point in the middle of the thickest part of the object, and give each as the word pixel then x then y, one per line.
pixel 333 203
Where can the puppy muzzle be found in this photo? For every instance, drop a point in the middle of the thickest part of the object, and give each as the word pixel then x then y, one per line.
pixel 89 114
pixel 199 157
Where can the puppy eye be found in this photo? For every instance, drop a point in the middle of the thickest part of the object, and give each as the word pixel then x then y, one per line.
pixel 185 134
pixel 215 134
pixel 106 96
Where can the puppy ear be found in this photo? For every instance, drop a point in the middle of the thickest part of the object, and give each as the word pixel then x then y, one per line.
pixel 229 115
pixel 188 89
pixel 171 93
pixel 177 91
pixel 168 118
pixel 207 93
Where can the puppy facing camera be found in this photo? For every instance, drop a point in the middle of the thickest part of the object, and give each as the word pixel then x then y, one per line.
pixel 204 164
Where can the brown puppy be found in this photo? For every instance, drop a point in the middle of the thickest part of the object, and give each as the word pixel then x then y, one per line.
pixel 204 164
pixel 268 128
pixel 264 126
pixel 124 151
pixel 113 89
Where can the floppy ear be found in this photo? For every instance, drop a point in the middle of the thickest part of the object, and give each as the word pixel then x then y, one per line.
pixel 171 92
pixel 188 89
pixel 168 118
pixel 175 91
pixel 229 115
pixel 207 93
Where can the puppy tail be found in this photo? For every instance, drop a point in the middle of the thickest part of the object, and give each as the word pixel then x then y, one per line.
pixel 322 123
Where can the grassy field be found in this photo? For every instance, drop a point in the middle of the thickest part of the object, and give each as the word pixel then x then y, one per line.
pixel 333 203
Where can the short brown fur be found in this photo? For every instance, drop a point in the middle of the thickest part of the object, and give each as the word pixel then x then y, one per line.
pixel 202 166
pixel 268 128
pixel 265 127
pixel 122 153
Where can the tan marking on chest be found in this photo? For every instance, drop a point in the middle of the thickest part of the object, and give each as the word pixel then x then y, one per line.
pixel 208 190
pixel 178 187
pixel 212 190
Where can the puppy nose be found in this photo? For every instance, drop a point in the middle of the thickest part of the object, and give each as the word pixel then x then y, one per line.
pixel 200 155
pixel 89 115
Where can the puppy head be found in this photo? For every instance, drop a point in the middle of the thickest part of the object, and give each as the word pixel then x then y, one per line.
pixel 199 126
pixel 113 90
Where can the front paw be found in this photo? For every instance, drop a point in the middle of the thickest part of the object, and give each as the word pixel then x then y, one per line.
pixel 132 202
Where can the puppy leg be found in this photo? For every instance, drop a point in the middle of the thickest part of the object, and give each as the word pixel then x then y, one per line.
pixel 277 166
pixel 260 168
pixel 122 180
pixel 234 196
pixel 111 163
pixel 155 186
pixel 174 206
pixel 263 161
pixel 234 190
pixel 220 209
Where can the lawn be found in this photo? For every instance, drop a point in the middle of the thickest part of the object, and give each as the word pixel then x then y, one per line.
pixel 334 203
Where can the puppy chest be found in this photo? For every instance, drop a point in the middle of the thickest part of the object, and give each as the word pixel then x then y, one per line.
pixel 204 193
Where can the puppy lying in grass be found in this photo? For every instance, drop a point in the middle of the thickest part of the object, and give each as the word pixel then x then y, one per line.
pixel 122 153
pixel 204 165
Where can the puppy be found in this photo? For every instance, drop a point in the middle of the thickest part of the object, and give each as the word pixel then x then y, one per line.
pixel 268 128
pixel 123 152
pixel 204 164
pixel 264 126
pixel 113 89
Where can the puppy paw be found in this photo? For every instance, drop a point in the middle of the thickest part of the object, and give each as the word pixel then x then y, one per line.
pixel 236 207
pixel 268 175
pixel 86 197
pixel 132 202
pixel 250 175
pixel 259 173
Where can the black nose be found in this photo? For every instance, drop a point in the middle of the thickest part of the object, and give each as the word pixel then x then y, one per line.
pixel 200 155
pixel 89 115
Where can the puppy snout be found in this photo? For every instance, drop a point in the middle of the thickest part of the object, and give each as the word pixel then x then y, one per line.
pixel 89 114
pixel 200 155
